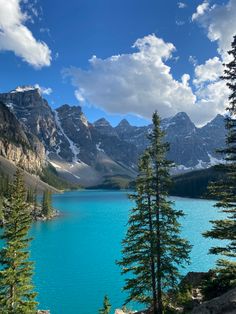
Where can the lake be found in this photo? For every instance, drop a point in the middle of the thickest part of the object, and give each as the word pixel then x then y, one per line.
pixel 75 254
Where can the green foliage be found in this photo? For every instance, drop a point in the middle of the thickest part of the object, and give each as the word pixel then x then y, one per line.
pixel 194 184
pixel 219 280
pixel 153 250
pixel 30 196
pixel 1 210
pixel 224 190
pixel 47 209
pixel 16 289
pixel 183 297
pixel 51 177
pixel 116 182
pixel 106 306
pixel 4 185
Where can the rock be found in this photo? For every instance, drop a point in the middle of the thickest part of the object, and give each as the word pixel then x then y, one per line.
pixel 18 145
pixel 119 311
pixel 43 312
pixel 225 304
pixel 194 279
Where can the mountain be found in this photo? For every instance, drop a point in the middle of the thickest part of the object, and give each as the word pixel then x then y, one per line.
pixel 92 153
pixel 18 145
pixel 34 112
pixel 191 147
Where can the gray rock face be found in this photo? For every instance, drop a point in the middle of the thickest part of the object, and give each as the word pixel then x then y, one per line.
pixel 104 127
pixel 34 112
pixel 18 145
pixel 77 129
pixel 225 304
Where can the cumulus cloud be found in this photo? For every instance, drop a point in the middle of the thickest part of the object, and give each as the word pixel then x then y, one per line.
pixel 138 83
pixel 210 71
pixel 220 23
pixel 212 99
pixel 141 82
pixel 16 37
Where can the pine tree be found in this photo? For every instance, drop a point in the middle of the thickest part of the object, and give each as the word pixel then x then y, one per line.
pixel 47 209
pixel 30 196
pixel 153 250
pixel 16 289
pixel 225 189
pixel 106 306
pixel 1 210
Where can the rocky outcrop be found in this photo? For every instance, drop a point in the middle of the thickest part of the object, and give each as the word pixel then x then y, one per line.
pixel 225 304
pixel 34 112
pixel 194 279
pixel 18 145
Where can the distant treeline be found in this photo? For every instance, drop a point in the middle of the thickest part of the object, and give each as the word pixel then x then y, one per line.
pixel 194 184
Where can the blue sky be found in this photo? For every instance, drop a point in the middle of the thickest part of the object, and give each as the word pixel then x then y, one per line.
pixel 173 67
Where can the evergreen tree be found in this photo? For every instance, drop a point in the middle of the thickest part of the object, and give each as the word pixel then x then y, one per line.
pixel 106 306
pixel 225 189
pixel 47 209
pixel 153 250
pixel 16 289
pixel 35 202
pixel 1 210
pixel 30 196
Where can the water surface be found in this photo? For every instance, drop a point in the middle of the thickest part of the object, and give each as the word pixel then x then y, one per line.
pixel 75 254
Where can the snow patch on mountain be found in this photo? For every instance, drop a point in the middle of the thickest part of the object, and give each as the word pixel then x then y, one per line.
pixel 22 89
pixel 73 147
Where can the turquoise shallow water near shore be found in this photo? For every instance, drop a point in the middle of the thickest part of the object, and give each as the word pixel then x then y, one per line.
pixel 75 254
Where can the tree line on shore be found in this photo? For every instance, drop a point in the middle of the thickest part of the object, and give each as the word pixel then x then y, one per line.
pixel 153 249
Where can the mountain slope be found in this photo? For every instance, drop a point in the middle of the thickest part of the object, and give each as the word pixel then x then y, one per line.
pixel 90 153
pixel 18 145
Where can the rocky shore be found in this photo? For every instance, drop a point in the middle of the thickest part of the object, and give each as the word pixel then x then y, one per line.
pixel 224 304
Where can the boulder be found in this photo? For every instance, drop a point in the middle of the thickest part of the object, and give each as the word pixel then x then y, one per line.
pixel 225 304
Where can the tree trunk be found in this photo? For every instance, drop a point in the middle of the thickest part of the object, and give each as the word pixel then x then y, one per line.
pixel 152 262
pixel 159 275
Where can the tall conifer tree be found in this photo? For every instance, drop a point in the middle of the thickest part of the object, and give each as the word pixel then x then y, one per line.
pixel 153 250
pixel 16 289
pixel 47 209
pixel 106 306
pixel 225 189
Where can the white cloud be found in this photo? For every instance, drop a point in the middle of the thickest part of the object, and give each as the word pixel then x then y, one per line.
pixel 44 90
pixel 16 37
pixel 210 71
pixel 212 99
pixel 141 82
pixel 138 83
pixel 201 9
pixel 220 23
pixel 181 5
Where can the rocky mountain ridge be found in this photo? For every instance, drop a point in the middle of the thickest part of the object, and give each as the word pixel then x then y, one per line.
pixel 86 153
pixel 18 145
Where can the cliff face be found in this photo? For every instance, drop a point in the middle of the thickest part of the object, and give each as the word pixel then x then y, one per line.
pixel 34 112
pixel 18 145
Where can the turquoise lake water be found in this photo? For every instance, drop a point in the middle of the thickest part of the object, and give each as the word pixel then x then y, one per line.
pixel 75 254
